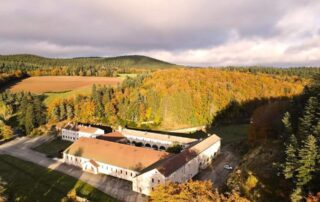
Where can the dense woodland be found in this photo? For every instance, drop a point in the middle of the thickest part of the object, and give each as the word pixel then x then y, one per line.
pixel 168 99
pixel 86 66
pixel 174 98
pixel 282 160
pixel 302 151
pixel 302 72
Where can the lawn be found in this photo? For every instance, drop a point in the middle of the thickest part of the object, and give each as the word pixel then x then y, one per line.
pixel 230 133
pixel 52 148
pixel 127 75
pixel 28 182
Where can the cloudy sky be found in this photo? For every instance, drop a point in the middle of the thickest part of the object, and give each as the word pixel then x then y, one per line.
pixel 191 32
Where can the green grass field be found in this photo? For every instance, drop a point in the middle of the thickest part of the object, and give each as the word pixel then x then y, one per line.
pixel 231 133
pixel 52 96
pixel 53 147
pixel 127 75
pixel 28 182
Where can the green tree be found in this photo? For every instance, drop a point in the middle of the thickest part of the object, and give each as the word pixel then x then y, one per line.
pixel 296 195
pixel 29 122
pixel 308 155
pixel 56 113
pixel 290 164
pixel 63 113
pixel 70 111
pixel 309 119
pixel 286 120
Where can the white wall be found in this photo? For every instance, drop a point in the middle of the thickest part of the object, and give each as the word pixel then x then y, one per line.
pixel 69 135
pixel 72 136
pixel 186 172
pixel 206 157
pixel 146 181
pixel 103 168
pixel 148 140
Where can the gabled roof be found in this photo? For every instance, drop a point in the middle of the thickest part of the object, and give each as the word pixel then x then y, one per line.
pixel 171 164
pixel 157 136
pixel 121 155
pixel 113 137
pixel 85 129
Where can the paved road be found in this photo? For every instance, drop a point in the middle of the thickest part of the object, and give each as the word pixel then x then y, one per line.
pixel 216 172
pixel 21 148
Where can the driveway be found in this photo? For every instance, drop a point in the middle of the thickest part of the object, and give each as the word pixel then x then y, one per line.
pixel 216 172
pixel 21 148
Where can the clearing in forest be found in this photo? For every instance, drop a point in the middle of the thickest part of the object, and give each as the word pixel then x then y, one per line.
pixel 42 84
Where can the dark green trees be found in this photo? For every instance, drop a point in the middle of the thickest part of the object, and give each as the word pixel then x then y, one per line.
pixel 302 152
pixel 291 158
pixel 31 113
pixel 308 156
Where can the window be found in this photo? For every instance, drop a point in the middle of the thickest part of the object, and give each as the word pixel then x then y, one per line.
pixel 152 180
pixel 158 181
pixel 121 171
pixel 131 174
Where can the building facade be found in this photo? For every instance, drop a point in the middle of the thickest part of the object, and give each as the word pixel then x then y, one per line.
pixel 72 132
pixel 154 140
pixel 144 167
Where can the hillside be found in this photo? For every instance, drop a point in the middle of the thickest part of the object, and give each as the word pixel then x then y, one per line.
pixel 178 98
pixel 185 97
pixel 129 61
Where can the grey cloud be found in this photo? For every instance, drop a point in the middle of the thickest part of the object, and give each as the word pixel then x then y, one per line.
pixel 81 27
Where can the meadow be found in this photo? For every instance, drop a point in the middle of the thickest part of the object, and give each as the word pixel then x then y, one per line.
pixel 28 182
pixel 46 84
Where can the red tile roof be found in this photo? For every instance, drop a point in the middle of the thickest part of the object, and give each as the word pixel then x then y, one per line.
pixel 121 155
pixel 173 163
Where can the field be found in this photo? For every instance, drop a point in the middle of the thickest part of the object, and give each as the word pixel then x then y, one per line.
pixel 231 133
pixel 45 84
pixel 52 148
pixel 28 182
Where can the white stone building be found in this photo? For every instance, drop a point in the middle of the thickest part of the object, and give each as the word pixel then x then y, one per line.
pixel 180 167
pixel 144 167
pixel 73 132
pixel 154 140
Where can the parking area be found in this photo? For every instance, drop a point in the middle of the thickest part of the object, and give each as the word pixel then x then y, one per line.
pixel 217 172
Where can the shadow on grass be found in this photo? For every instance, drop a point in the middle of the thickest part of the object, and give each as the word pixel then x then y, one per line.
pixel 30 182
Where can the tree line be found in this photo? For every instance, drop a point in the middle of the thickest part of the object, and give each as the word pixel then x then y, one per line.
pixel 26 110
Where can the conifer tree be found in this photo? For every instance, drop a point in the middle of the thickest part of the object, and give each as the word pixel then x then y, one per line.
pixel 56 113
pixel 29 122
pixel 70 111
pixel 63 113
pixel 290 164
pixel 309 117
pixel 286 120
pixel 308 155
pixel 296 195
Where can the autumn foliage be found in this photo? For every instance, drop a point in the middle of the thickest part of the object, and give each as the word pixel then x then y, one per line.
pixel 192 191
pixel 178 98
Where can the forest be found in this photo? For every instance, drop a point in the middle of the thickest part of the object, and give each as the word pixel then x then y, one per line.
pixel 165 99
pixel 281 107
pixel 86 66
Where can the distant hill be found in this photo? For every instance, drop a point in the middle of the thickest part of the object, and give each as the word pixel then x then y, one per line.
pixel 129 61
